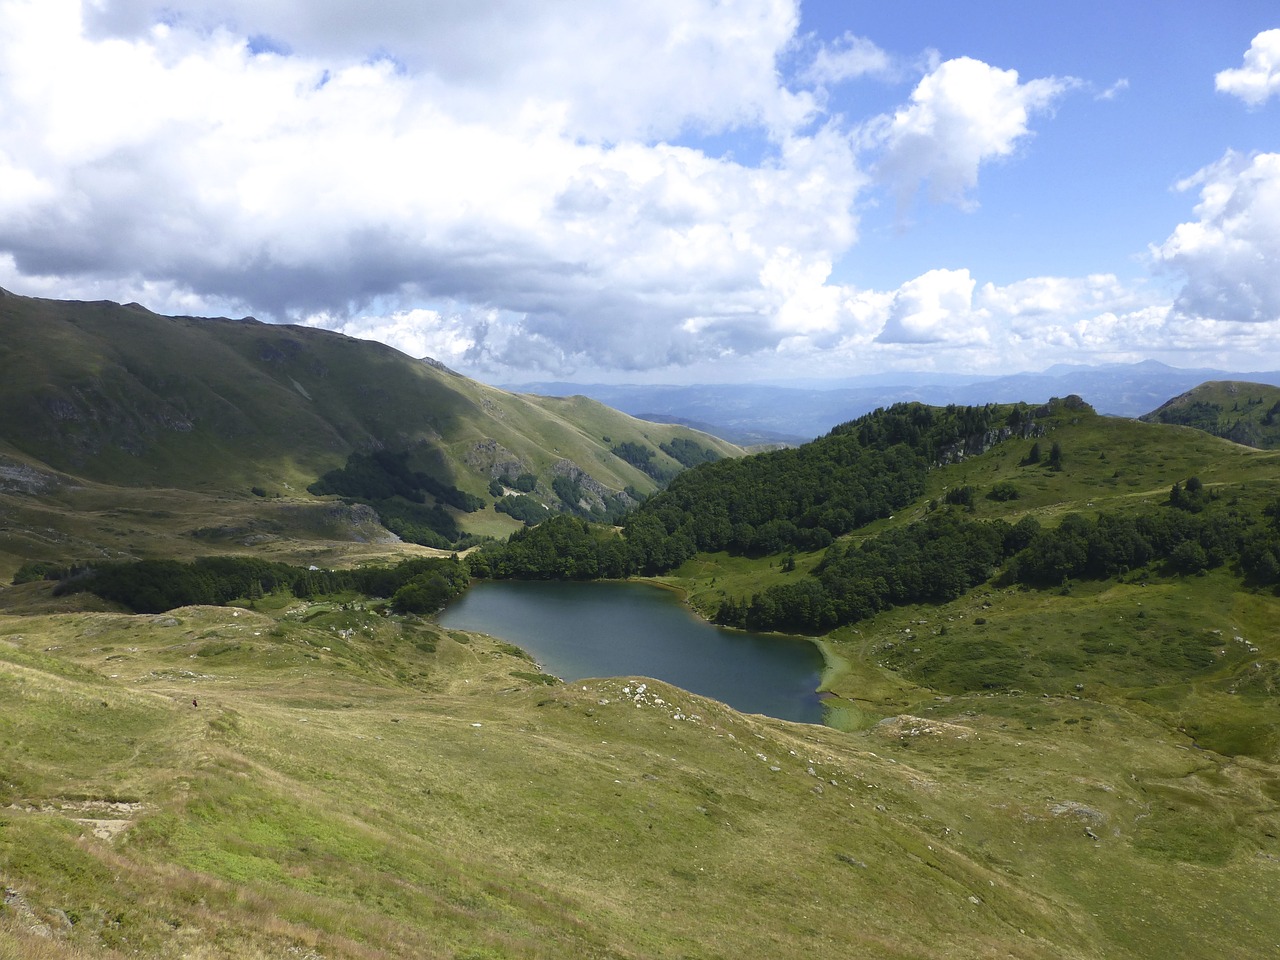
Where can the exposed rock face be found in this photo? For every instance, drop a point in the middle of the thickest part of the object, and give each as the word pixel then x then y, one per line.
pixel 596 492
pixel 18 477
pixel 492 458
pixel 982 442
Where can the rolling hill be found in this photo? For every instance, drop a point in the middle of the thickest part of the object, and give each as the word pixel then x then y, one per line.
pixel 1247 413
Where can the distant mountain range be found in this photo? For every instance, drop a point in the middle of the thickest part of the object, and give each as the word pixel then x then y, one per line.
pixel 756 413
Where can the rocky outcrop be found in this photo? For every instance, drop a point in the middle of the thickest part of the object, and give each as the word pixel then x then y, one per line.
pixel 595 493
pixel 494 460
pixel 19 477
pixel 1021 426
pixel 979 444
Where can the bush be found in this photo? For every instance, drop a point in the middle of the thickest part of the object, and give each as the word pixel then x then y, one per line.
pixel 38 570
pixel 1004 491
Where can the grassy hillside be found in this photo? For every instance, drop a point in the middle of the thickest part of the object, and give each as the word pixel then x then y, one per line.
pixel 122 401
pixel 1247 413
pixel 310 780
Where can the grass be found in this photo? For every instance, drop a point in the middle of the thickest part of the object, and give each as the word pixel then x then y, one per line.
pixel 345 788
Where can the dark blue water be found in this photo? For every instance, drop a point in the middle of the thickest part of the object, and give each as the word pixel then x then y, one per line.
pixel 578 630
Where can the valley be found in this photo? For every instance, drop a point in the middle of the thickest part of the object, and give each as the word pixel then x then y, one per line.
pixel 1051 666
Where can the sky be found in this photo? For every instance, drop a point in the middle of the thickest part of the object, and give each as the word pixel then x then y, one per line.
pixel 674 191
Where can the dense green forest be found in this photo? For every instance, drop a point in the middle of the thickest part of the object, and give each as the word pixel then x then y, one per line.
pixel 420 585
pixel 522 507
pixel 940 558
pixel 804 498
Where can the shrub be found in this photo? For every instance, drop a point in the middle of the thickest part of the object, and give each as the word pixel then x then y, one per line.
pixel 1004 491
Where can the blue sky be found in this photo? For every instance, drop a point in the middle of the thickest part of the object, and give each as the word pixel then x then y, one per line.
pixel 1094 184
pixel 675 191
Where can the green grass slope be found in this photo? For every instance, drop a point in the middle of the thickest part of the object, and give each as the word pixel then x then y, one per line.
pixel 1247 413
pixel 313 780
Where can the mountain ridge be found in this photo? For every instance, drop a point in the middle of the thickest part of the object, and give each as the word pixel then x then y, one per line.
pixel 228 408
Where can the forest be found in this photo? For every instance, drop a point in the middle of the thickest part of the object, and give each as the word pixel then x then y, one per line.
pixel 419 585
pixel 942 557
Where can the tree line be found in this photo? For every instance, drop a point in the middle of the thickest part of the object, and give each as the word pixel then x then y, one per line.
pixel 419 585
pixel 942 557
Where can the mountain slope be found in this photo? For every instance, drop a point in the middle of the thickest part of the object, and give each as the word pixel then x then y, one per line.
pixel 119 396
pixel 1247 413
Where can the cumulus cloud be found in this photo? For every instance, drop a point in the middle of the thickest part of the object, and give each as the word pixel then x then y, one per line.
pixel 961 115
pixel 1055 297
pixel 499 185
pixel 1258 79
pixel 933 308
pixel 322 183
pixel 1098 318
pixel 615 70
pixel 1228 256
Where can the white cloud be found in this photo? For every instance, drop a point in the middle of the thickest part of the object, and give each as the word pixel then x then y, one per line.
pixel 615 70
pixel 1229 255
pixel 325 185
pixel 1259 78
pixel 447 336
pixel 1049 297
pixel 961 115
pixel 850 57
pixel 933 308
pixel 488 183
pixel 1113 91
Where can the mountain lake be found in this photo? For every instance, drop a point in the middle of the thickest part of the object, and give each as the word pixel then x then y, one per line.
pixel 609 629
